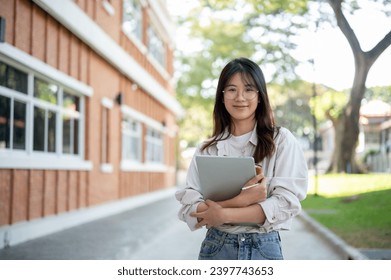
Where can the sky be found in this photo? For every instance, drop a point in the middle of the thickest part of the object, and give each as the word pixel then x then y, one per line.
pixel 334 64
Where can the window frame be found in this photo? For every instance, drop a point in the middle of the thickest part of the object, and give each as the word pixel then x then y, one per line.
pixel 132 135
pixel 136 37
pixel 156 52
pixel 28 158
pixel 106 106
pixel 154 146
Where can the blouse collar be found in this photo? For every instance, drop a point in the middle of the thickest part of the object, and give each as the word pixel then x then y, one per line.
pixel 222 146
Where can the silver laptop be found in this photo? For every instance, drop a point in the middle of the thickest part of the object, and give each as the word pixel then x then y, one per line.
pixel 222 178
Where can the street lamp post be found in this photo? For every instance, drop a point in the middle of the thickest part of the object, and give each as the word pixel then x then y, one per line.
pixel 315 127
pixel 315 144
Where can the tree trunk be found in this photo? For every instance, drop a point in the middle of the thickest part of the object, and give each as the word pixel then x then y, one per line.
pixel 347 127
pixel 346 139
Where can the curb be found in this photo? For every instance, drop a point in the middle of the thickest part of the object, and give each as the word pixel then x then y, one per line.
pixel 348 252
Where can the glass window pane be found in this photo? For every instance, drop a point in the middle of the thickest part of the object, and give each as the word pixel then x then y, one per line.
pixel 19 137
pixel 51 131
pixel 135 148
pixel 45 91
pixel 125 146
pixel 66 135
pixel 5 111
pixel 76 136
pixel 156 46
pixel 13 78
pixel 154 146
pixel 39 129
pixel 71 102
pixel 132 18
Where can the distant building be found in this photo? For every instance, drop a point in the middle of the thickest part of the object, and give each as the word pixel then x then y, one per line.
pixel 87 105
pixel 374 144
pixel 375 121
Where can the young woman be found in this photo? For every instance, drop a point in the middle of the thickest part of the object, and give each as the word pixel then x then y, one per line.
pixel 246 226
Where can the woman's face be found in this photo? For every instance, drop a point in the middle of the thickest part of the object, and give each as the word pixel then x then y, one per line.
pixel 241 98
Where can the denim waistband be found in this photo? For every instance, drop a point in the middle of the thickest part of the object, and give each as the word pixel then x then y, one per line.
pixel 232 238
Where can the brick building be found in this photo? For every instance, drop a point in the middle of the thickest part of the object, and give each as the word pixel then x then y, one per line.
pixel 87 107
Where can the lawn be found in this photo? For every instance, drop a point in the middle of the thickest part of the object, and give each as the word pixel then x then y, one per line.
pixel 355 207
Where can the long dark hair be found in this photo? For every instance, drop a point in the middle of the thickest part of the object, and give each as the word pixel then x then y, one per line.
pixel 263 114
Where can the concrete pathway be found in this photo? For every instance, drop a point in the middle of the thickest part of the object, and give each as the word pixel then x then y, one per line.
pixel 153 232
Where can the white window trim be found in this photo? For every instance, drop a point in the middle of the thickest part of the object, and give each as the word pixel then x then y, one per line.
pixel 29 159
pixel 146 167
pixel 131 166
pixel 139 135
pixel 136 41
pixel 169 29
pixel 45 70
pixel 107 103
pixel 138 116
pixel 154 141
pixel 106 167
pixel 156 22
pixel 158 66
pixel 19 160
pixel 108 7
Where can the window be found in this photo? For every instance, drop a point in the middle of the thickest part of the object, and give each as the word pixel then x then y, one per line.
pixel 107 105
pixel 155 147
pixel 13 108
pixel 13 78
pixel 70 124
pixel 105 135
pixel 44 117
pixel 156 46
pixel 39 116
pixel 132 18
pixel 131 140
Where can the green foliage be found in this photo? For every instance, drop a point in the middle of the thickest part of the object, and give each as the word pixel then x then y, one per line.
pixel 381 93
pixel 225 30
pixel 262 31
pixel 328 103
pixel 290 103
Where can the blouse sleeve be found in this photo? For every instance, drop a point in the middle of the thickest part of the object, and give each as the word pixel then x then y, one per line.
pixel 288 184
pixel 190 196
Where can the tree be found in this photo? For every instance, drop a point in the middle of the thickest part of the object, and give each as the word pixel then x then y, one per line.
pixel 263 31
pixel 347 125
pixel 227 29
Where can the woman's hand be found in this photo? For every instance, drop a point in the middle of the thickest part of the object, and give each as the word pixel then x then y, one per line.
pixel 201 208
pixel 253 195
pixel 213 216
pixel 249 196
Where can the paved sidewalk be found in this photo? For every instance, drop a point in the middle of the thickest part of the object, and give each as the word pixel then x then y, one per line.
pixel 152 231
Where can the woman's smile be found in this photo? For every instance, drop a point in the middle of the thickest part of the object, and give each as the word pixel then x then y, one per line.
pixel 240 106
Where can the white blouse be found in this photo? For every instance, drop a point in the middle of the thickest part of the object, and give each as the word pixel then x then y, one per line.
pixel 286 179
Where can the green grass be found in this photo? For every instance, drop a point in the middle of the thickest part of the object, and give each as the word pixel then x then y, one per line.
pixel 355 207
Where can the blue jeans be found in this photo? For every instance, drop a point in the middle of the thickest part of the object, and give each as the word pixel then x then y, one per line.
pixel 219 245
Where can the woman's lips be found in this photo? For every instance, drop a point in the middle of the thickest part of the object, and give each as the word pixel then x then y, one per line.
pixel 240 106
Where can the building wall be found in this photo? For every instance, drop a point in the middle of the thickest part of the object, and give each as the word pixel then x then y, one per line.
pixel 32 193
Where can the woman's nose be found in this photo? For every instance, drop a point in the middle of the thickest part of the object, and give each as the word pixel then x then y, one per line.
pixel 240 95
